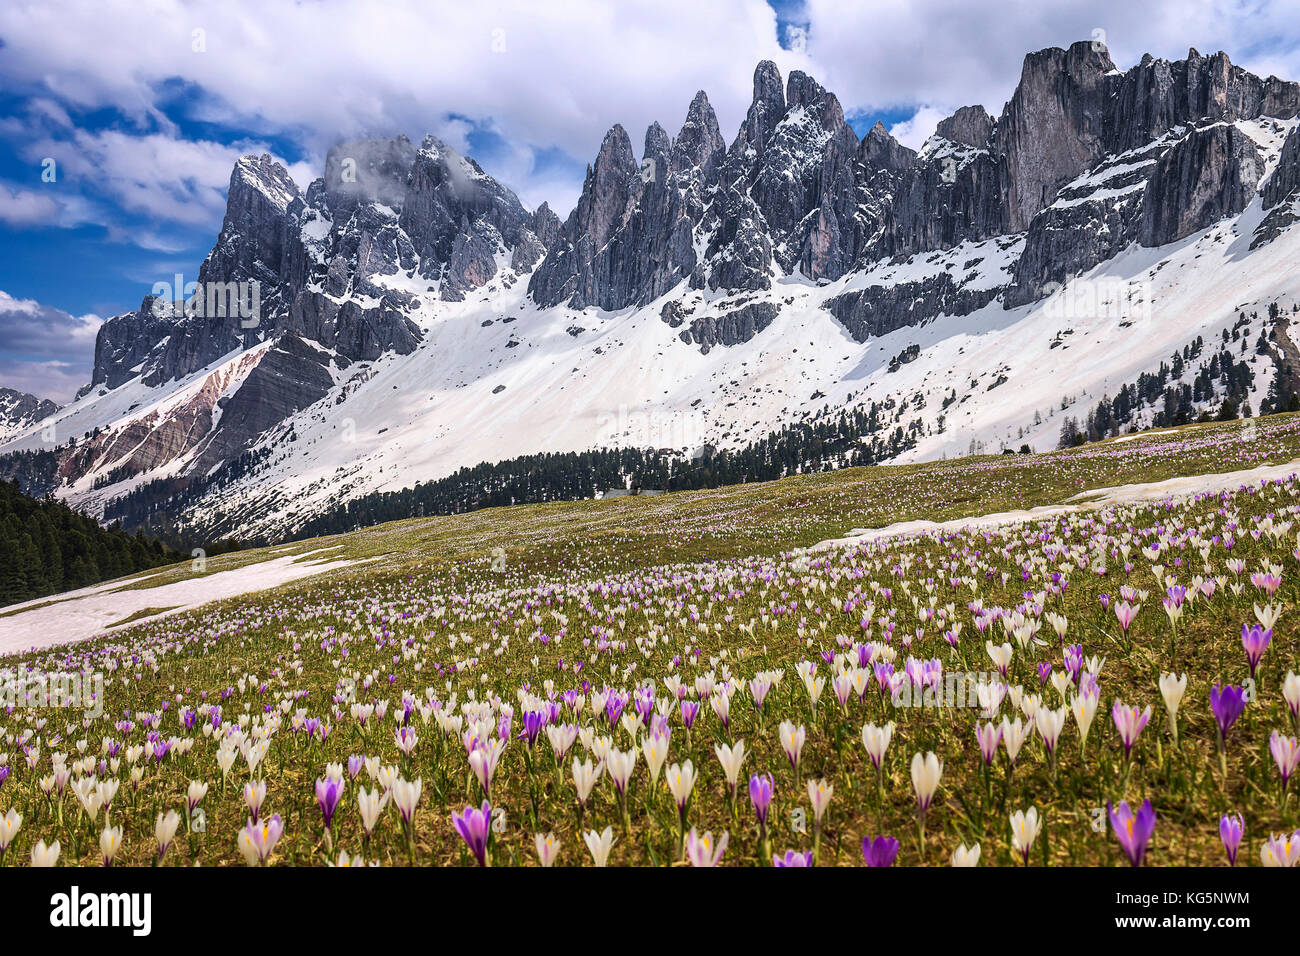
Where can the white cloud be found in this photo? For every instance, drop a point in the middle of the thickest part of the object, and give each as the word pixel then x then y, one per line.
pixel 915 131
pixel 546 76
pixel 43 350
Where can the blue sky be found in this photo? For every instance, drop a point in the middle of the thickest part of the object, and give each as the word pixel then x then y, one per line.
pixel 144 109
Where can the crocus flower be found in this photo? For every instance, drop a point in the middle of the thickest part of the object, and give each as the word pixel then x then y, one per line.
pixel 585 776
pixel 1231 829
pixel 1025 827
pixel 793 858
pixel 1129 721
pixel 876 741
pixel 701 850
pixel 548 848
pixel 792 740
pixel 10 824
pixel 681 781
pixel 1281 849
pixel 164 831
pixel 966 856
pixel 599 844
pixel 1291 694
pixel 370 804
pixel 45 856
pixel 1133 830
pixel 1286 753
pixel 257 841
pixel 328 794
pixel 110 841
pixel 1126 613
pixel 988 736
pixel 474 826
pixel 731 758
pixel 1227 702
pixel 406 794
pixel 881 851
pixel 926 771
pixel 760 794
pixel 819 794
pixel 1255 640
pixel 1172 688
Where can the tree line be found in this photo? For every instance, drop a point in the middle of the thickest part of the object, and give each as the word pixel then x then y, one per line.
pixel 46 547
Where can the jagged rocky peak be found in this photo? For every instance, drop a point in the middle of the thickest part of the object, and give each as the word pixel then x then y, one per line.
pixel 879 150
pixel 656 157
pixel 458 218
pixel 765 111
pixel 546 224
pixel 18 410
pixel 253 235
pixel 611 186
pixel 699 144
pixel 1053 127
pixel 369 170
pixel 1157 95
pixel 969 126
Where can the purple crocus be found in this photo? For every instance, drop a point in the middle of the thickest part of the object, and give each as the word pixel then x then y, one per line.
pixel 473 827
pixel 1133 830
pixel 1227 702
pixel 879 852
pixel 1073 661
pixel 1254 639
pixel 793 858
pixel 4 775
pixel 760 794
pixel 329 792
pixel 690 709
pixel 533 721
pixel 1231 829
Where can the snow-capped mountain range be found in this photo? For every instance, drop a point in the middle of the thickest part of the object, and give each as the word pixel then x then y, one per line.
pixel 407 316
pixel 19 411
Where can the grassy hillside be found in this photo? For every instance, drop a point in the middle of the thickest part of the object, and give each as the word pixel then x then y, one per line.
pixel 489 634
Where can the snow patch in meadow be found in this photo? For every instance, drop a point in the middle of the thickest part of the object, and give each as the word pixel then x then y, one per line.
pixel 88 612
pixel 1085 500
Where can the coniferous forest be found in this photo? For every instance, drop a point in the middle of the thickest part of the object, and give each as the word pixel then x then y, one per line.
pixel 46 547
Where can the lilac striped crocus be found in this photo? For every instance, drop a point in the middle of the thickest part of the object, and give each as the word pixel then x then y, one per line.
pixel 690 710
pixel 989 736
pixel 1133 830
pixel 356 763
pixel 882 851
pixel 1129 721
pixel 474 827
pixel 793 858
pixel 1255 640
pixel 1231 828
pixel 1286 753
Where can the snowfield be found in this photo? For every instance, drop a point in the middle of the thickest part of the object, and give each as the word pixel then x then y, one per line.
pixel 88 612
